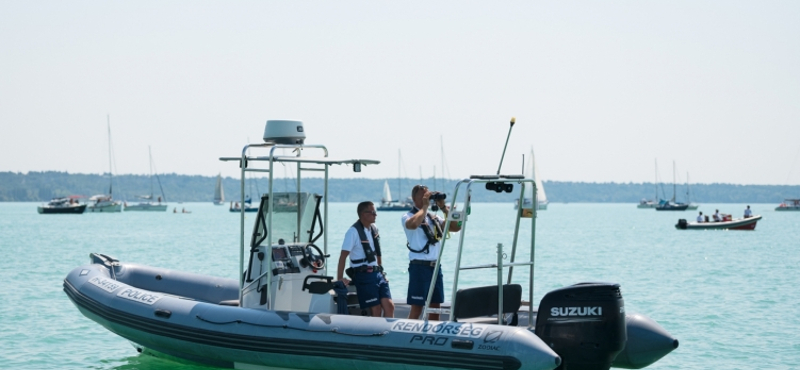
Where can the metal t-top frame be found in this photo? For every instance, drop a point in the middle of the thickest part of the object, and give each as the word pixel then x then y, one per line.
pixel 463 216
pixel 245 163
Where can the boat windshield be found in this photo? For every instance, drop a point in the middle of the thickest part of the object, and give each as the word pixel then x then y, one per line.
pixel 295 218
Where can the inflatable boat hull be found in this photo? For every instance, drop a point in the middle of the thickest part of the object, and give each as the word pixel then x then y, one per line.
pixel 234 337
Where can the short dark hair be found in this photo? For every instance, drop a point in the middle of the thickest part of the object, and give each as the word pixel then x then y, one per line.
pixel 416 189
pixel 362 206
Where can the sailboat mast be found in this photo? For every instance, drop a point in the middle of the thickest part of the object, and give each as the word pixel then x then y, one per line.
pixel 110 173
pixel 399 188
pixel 150 154
pixel 655 182
pixel 688 200
pixel 673 182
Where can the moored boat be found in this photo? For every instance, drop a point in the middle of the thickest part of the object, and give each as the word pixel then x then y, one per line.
pixel 286 312
pixel 148 203
pixel 105 203
pixel 672 205
pixel 387 204
pixel 789 205
pixel 745 223
pixel 219 192
pixel 541 197
pixel 645 203
pixel 248 206
pixel 69 205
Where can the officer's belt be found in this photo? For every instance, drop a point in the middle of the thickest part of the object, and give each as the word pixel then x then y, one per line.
pixel 424 263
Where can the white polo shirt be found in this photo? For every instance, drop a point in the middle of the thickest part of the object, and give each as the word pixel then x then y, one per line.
pixel 352 244
pixel 417 239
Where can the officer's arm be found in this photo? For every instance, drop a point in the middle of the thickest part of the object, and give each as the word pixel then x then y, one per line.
pixel 342 261
pixel 413 222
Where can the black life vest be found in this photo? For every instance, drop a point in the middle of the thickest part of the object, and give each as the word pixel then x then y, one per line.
pixel 433 236
pixel 368 252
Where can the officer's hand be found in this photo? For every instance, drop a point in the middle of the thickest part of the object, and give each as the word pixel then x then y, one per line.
pixel 426 197
pixel 346 281
pixel 440 204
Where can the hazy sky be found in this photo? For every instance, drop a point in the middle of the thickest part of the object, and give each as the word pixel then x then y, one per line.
pixel 600 89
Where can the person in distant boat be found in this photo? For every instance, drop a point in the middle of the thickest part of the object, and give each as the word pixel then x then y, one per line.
pixel 159 199
pixel 363 248
pixel 716 216
pixel 424 231
pixel 747 212
pixel 700 217
pixel 175 210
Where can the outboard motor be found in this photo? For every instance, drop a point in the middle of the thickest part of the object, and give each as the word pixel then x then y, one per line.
pixel 583 323
pixel 682 224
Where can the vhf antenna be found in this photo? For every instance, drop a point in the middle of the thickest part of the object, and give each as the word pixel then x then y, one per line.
pixel 513 119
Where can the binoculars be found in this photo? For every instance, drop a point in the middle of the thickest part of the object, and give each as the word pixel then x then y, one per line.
pixel 437 195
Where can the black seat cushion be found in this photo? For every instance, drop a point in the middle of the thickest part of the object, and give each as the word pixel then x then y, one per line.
pixel 482 301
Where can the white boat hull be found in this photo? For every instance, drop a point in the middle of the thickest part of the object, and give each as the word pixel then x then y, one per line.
pixel 107 207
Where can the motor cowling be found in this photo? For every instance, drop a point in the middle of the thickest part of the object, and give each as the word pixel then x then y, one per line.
pixel 583 323
pixel 682 224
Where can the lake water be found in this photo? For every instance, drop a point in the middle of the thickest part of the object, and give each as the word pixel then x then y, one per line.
pixel 732 298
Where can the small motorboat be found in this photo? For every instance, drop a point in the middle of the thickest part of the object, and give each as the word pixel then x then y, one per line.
pixel 248 206
pixel 67 205
pixel 789 205
pixel 727 223
pixel 285 311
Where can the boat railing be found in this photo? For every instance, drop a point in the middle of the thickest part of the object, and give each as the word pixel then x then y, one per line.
pixel 462 216
pixel 249 163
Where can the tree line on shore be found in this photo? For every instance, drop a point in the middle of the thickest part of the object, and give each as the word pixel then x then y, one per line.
pixel 43 186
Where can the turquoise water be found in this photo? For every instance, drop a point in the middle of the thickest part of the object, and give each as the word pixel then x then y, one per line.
pixel 730 297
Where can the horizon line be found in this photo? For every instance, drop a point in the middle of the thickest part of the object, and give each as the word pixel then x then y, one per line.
pixel 392 178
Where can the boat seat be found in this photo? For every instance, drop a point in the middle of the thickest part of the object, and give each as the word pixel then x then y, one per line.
pixel 353 308
pixel 482 301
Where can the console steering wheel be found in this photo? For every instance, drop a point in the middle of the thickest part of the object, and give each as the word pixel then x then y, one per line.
pixel 313 256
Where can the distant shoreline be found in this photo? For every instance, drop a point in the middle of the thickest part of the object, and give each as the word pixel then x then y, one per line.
pixel 43 186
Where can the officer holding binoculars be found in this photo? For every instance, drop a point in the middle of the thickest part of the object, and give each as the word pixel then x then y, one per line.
pixel 424 232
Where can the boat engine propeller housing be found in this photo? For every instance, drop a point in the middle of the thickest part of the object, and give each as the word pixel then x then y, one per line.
pixel 583 323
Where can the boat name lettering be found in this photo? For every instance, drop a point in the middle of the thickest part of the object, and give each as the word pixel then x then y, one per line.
pixel 429 339
pixel 488 347
pixel 461 330
pixel 576 311
pixel 106 284
pixel 139 296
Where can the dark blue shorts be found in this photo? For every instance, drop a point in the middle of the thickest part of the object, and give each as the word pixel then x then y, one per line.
pixel 419 282
pixel 371 288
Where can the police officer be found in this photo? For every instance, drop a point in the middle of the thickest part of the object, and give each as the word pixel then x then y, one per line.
pixel 362 246
pixel 424 232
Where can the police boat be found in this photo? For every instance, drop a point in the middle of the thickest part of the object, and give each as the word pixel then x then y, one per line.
pixel 286 312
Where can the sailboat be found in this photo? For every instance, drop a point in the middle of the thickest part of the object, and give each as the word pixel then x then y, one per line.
pixel 671 205
pixel 387 203
pixel 106 202
pixel 646 203
pixel 149 205
pixel 541 197
pixel 219 192
pixel 248 203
